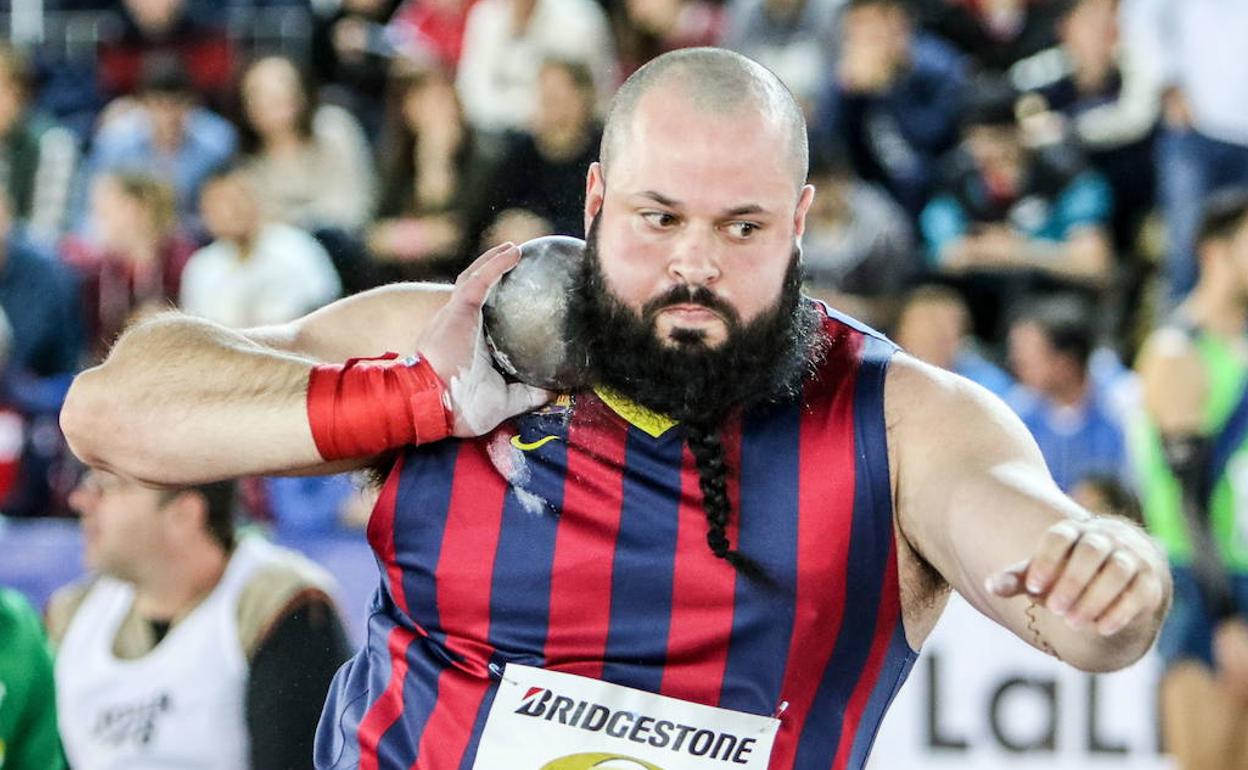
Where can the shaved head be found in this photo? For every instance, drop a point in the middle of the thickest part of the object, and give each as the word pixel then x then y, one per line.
pixel 716 82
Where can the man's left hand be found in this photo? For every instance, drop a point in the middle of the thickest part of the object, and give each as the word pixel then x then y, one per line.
pixel 1100 573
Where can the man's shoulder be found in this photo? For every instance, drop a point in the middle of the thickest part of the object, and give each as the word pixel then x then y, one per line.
pixel 64 605
pixel 282 581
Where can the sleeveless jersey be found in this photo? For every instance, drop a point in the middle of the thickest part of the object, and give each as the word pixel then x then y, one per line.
pixel 180 705
pixel 1161 495
pixel 574 539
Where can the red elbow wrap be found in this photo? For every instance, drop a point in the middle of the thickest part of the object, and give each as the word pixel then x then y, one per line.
pixel 369 405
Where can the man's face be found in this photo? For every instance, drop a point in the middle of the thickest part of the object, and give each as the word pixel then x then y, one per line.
pixel 561 106
pixel 995 147
pixel 933 332
pixel 690 299
pixel 122 522
pixel 701 202
pixel 228 208
pixel 1036 363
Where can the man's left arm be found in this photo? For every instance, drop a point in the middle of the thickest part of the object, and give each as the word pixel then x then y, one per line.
pixel 975 500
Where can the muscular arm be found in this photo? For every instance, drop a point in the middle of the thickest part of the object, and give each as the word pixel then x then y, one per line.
pixel 182 400
pixel 974 498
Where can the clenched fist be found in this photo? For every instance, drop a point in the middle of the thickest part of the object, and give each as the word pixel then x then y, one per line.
pixel 1101 572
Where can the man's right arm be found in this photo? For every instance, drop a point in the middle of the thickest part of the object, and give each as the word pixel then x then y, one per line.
pixel 182 400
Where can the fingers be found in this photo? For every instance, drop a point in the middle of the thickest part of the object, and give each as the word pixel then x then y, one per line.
pixel 525 398
pixel 475 282
pixel 1050 556
pixel 1107 588
pixel 1008 582
pixel 1088 554
pixel 1142 595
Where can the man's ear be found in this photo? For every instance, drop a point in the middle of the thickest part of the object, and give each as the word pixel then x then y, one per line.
pixel 595 191
pixel 803 206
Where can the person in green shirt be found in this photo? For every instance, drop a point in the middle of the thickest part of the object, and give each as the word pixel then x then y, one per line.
pixel 28 735
pixel 1191 452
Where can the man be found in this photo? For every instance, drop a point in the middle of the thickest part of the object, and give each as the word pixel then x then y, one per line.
pixel 895 99
pixel 1191 456
pixel 190 648
pixel 164 133
pixel 934 326
pixel 254 271
pixel 1193 56
pixel 39 301
pixel 571 581
pixel 1073 419
pixel 28 739
pixel 37 157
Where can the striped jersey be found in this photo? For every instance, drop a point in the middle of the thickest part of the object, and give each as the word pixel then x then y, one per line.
pixel 573 539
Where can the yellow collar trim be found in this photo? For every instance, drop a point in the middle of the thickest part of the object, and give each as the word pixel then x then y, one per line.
pixel 651 422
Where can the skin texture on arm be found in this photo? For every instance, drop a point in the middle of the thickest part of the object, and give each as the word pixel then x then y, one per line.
pixel 182 400
pixel 976 502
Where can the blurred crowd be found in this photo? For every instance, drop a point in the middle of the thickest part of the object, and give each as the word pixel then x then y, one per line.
pixel 1021 191
pixel 1013 188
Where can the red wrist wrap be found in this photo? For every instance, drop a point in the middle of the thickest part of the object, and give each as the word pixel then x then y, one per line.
pixel 364 407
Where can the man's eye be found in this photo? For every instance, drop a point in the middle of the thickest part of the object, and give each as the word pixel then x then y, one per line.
pixel 658 218
pixel 742 229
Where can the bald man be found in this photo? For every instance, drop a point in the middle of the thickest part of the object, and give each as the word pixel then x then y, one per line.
pixel 724 552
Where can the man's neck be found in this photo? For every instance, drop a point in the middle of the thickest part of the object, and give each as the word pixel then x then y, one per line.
pixel 178 585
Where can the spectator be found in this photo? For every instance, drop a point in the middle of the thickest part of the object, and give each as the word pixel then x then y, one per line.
pixel 858 249
pixel 1190 453
pixel 310 163
pixel 39 299
pixel 1074 421
pixel 134 264
pixel 896 99
pixel 1108 101
pixel 166 28
pixel 994 33
pixel 432 168
pixel 538 186
pixel 1194 52
pixel 1011 219
pixel 254 272
pixel 505 44
pixel 351 56
pixel 934 325
pixel 646 28
pixel 188 646
pixel 166 134
pixel 28 736
pixel 37 157
pixel 793 38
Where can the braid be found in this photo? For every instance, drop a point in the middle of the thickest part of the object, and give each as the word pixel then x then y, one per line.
pixel 708 454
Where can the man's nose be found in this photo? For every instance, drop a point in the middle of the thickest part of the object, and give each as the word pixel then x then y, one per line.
pixel 695 258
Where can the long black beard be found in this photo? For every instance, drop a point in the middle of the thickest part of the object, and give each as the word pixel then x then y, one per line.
pixel 764 361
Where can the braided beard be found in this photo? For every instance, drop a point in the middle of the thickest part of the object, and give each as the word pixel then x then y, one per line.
pixel 763 361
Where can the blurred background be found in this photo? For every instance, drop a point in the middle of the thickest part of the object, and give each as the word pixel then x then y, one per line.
pixel 1013 189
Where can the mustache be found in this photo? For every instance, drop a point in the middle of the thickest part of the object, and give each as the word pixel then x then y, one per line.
pixel 685 294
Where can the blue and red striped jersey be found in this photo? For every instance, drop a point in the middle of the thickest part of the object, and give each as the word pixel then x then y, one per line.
pixel 574 539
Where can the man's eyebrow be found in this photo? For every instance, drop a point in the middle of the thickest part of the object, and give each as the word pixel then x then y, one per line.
pixel 659 198
pixel 737 211
pixel 746 210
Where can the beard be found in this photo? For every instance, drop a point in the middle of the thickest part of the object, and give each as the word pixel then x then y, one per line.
pixel 760 362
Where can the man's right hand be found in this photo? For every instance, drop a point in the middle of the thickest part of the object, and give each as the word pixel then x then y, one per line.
pixel 454 344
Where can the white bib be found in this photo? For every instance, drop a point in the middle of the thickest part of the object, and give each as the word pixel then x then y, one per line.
pixel 547 720
pixel 181 705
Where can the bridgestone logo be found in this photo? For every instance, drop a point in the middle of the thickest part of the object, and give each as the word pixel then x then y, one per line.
pixel 542 703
